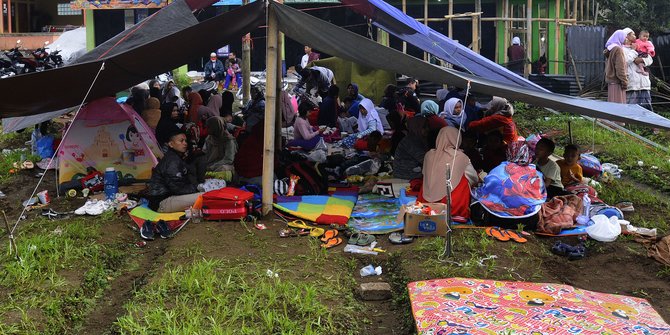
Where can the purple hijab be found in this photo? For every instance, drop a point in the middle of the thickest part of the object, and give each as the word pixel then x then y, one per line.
pixel 617 38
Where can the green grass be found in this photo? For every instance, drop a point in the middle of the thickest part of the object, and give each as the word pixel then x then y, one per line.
pixel 215 296
pixel 62 273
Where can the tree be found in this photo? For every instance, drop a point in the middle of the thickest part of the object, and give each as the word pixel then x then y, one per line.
pixel 651 15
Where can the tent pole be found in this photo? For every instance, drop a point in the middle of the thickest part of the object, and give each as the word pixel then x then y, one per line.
pixel 529 37
pixel 279 81
pixel 246 65
pixel 557 33
pixel 425 21
pixel 478 25
pixel 270 111
pixel 2 18
pixel 12 242
pixel 448 212
pixel 9 16
pixel 404 10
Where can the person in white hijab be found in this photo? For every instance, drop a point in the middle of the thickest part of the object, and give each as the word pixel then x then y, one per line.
pixel 368 121
pixel 454 114
pixel 616 74
pixel 516 55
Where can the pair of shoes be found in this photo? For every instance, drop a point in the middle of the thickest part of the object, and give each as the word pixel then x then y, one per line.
pixel 400 238
pixel 625 206
pixel 313 231
pixel 331 238
pixel 361 239
pixel 572 252
pixel 505 235
pixel 149 229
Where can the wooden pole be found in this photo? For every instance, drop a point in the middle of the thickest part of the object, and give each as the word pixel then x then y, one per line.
pixel 2 18
pixel 280 79
pixel 574 9
pixel 270 111
pixel 529 37
pixel 425 21
pixel 557 34
pixel 507 26
pixel 246 65
pixel 12 242
pixel 404 10
pixel 9 16
pixel 451 12
pixel 476 26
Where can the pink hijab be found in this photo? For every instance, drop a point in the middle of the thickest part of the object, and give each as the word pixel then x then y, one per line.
pixel 435 165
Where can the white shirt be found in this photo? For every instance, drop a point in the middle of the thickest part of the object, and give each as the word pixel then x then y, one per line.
pixel 636 80
pixel 304 61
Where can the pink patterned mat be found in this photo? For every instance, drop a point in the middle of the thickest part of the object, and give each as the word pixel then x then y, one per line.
pixel 474 306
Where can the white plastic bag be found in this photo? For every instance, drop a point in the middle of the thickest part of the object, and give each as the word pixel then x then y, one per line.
pixel 604 229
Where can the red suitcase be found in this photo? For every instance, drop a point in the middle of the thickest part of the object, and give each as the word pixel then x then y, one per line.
pixel 228 203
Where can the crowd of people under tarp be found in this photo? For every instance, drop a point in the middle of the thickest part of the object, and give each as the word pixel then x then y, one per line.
pixel 450 140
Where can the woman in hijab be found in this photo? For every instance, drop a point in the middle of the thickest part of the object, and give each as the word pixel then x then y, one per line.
pixel 430 110
pixel 329 108
pixel 408 158
pixel 155 89
pixel 197 112
pixel 514 191
pixel 167 124
pixel 441 96
pixel 516 56
pixel 215 101
pixel 173 95
pixel 220 146
pixel 453 113
pixel 227 100
pixel 368 121
pixel 356 98
pixel 152 113
pixel 462 175
pixel 499 118
pixel 616 75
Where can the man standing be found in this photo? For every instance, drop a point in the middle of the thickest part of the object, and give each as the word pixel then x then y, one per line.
pixel 214 69
pixel 308 57
pixel 233 69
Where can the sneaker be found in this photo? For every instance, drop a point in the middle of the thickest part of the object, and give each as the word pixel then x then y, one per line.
pixel 163 229
pixel 646 232
pixel 147 230
pixel 82 210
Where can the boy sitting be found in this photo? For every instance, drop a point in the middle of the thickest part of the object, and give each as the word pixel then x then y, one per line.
pixel 571 172
pixel 551 171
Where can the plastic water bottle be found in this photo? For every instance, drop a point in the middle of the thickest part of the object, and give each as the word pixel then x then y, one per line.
pixel 587 205
pixel 111 183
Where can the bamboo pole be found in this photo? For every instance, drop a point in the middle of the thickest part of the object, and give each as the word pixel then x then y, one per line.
pixel 270 111
pixel 557 33
pixel 404 10
pixel 506 29
pixel 574 9
pixel 9 16
pixel 246 65
pixel 477 27
pixel 2 18
pixel 425 21
pixel 451 12
pixel 529 37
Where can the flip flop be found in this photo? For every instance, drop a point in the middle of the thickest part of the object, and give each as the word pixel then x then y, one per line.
pixel 399 238
pixel 316 232
pixel 332 243
pixel 365 239
pixel 298 224
pixel 516 237
pixel 329 234
pixel 497 233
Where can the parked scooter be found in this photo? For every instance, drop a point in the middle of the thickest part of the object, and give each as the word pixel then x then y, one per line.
pixel 20 62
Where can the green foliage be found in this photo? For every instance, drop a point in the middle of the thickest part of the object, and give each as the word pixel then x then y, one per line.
pixel 651 15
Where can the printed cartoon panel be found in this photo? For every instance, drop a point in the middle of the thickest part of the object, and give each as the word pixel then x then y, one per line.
pixel 473 306
pixel 116 4
pixel 117 145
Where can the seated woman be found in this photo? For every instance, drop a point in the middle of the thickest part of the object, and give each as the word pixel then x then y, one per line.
pixel 430 110
pixel 368 121
pixel 408 158
pixel 329 108
pixel 220 146
pixel 173 186
pixel 513 192
pixel 167 125
pixel 453 114
pixel 303 134
pixel 499 116
pixel 463 176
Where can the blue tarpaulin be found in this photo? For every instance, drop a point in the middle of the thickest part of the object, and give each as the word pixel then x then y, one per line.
pixel 409 30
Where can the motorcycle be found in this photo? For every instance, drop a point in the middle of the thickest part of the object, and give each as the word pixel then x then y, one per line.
pixel 54 60
pixel 20 62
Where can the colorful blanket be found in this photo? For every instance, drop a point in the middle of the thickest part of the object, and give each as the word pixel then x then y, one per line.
pixel 141 214
pixel 475 306
pixel 321 209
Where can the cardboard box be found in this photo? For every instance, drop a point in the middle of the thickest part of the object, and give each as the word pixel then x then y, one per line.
pixel 426 225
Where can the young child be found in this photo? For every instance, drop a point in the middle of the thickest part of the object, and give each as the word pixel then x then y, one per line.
pixel 551 171
pixel 571 172
pixel 644 48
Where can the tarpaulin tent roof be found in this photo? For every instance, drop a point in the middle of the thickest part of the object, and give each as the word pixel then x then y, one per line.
pixel 68 85
pixel 328 38
pixel 409 30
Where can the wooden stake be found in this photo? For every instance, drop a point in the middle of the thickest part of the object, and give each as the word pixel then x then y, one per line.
pixel 270 111
pixel 574 67
pixel 448 211
pixel 451 12
pixel 404 10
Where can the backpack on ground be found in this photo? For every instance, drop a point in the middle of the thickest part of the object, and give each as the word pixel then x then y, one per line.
pixel 228 203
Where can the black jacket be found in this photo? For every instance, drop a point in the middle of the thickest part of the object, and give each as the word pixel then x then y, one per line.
pixel 169 177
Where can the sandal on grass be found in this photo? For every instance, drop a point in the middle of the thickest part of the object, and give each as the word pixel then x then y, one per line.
pixel 316 232
pixel 400 238
pixel 287 232
pixel 578 253
pixel 364 239
pixel 515 236
pixel 497 233
pixel 332 242
pixel 329 234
